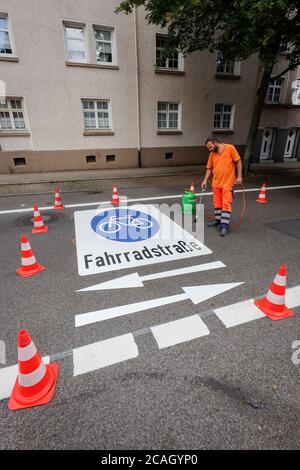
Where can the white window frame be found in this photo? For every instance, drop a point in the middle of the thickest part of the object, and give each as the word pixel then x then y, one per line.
pixel 180 67
pixel 11 110
pixel 10 36
pixel 230 128
pixel 275 87
pixel 75 25
pixel 236 67
pixel 113 42
pixel 178 128
pixel 109 110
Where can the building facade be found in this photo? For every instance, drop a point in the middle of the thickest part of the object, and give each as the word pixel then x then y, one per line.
pixel 278 137
pixel 84 88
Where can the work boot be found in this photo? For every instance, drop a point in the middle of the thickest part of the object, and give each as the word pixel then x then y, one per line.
pixel 223 231
pixel 213 223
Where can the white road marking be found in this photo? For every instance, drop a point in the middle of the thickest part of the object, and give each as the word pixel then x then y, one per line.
pixel 196 294
pixel 179 331
pixel 239 313
pixel 98 250
pixel 135 280
pixel 104 353
pixel 292 297
pixel 157 198
pixel 8 377
pixel 244 312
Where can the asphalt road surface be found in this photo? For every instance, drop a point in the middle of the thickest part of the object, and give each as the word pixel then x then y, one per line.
pixel 141 379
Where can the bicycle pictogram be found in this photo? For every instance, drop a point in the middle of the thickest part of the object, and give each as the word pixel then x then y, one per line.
pixel 125 225
pixel 115 224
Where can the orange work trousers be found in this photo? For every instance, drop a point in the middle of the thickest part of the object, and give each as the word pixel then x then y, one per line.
pixel 222 198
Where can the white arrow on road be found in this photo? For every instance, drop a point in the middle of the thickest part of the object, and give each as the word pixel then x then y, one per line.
pixel 196 294
pixel 135 280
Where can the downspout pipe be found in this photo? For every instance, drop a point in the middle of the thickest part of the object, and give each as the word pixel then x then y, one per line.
pixel 137 80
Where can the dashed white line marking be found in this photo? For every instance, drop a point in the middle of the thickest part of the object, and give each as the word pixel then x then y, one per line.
pixel 179 331
pixel 104 353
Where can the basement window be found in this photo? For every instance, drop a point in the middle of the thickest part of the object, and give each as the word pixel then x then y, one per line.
pixel 168 155
pixel 91 159
pixel 19 161
pixel 110 158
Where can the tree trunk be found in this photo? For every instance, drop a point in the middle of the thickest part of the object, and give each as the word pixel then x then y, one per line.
pixel 257 112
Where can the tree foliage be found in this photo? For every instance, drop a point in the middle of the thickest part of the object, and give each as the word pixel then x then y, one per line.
pixel 237 28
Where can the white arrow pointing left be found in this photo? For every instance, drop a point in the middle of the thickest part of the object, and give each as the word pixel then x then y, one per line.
pixel 135 280
pixel 196 294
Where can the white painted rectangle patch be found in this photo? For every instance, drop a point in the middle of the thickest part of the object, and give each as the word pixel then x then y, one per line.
pixel 243 312
pixel 240 313
pixel 179 331
pixel 104 353
pixel 110 239
pixel 8 377
pixel 292 297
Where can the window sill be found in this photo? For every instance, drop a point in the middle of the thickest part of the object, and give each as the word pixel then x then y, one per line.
pixel 169 132
pixel 281 105
pixel 169 72
pixel 227 76
pixel 14 133
pixel 223 131
pixel 9 59
pixel 93 66
pixel 97 132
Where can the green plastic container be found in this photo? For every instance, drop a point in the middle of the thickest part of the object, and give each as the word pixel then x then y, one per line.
pixel 189 202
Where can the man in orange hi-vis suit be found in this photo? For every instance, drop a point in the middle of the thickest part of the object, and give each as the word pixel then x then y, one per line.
pixel 222 162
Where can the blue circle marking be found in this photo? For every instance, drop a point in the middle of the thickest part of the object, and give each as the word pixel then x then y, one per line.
pixel 125 225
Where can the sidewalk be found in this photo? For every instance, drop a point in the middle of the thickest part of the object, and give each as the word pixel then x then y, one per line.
pixel 90 175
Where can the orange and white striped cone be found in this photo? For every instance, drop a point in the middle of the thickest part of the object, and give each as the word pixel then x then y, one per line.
pixel 57 201
pixel 262 198
pixel 29 264
pixel 36 382
pixel 192 188
pixel 38 222
pixel 273 305
pixel 115 196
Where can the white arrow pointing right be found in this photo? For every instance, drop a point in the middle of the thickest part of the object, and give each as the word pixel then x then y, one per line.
pixel 196 294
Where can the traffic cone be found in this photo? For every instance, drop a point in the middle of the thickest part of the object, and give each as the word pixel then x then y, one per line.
pixel 273 305
pixel 36 382
pixel 262 198
pixel 38 222
pixel 29 264
pixel 57 202
pixel 115 197
pixel 192 188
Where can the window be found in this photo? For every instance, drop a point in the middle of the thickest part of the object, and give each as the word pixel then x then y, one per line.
pixel 12 115
pixel 230 67
pixel 173 62
pixel 96 114
pixel 104 45
pixel 75 43
pixel 168 115
pixel 5 44
pixel 223 117
pixel 274 90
